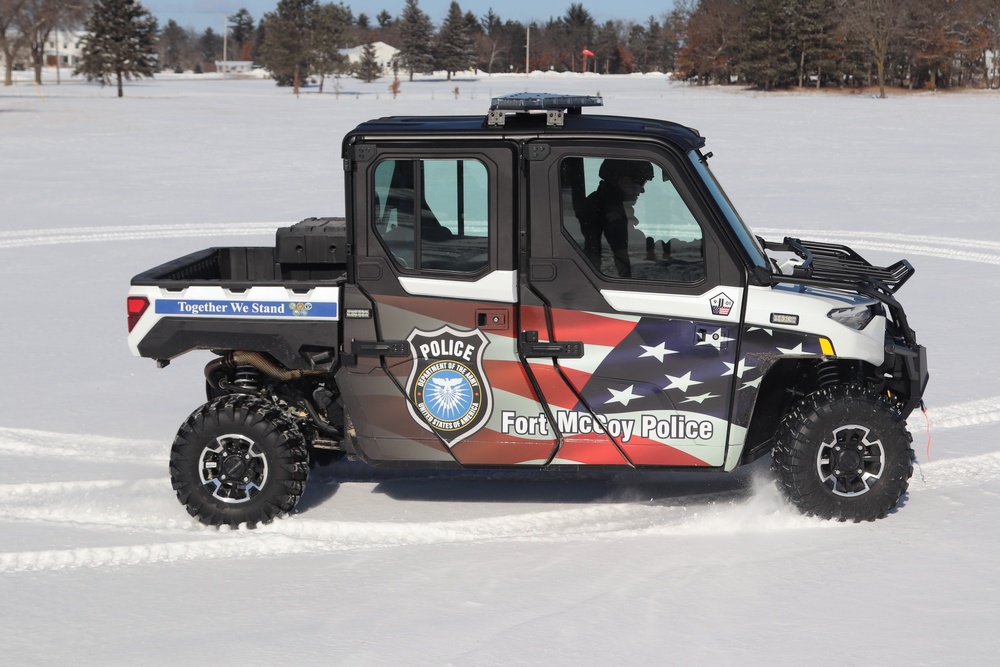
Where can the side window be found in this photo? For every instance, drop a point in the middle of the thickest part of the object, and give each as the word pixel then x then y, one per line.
pixel 629 220
pixel 433 214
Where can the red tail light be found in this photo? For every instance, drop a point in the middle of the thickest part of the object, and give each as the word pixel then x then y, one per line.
pixel 137 305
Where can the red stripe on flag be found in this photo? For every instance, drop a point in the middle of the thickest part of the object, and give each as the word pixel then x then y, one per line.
pixel 591 328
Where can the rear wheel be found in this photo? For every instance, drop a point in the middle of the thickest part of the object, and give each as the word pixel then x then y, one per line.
pixel 238 460
pixel 843 453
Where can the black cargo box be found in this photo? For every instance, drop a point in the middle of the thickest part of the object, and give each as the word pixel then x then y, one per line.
pixel 312 241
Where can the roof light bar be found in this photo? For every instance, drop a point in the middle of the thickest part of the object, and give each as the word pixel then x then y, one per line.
pixel 555 106
pixel 543 102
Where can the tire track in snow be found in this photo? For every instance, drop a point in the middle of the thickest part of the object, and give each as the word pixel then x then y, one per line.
pixel 712 514
pixel 972 413
pixel 29 442
pixel 302 536
pixel 68 235
pixel 942 247
pixel 90 503
pixel 973 250
pixel 724 513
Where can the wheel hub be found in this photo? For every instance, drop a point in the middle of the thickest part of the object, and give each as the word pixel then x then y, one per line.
pixel 848 459
pixel 233 470
pixel 851 460
pixel 233 466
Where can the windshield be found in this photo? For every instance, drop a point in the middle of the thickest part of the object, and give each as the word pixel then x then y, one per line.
pixel 743 233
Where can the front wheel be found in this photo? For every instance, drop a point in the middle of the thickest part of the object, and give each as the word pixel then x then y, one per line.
pixel 238 460
pixel 843 453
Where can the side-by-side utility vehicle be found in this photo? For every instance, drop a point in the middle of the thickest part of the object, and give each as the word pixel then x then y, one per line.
pixel 543 289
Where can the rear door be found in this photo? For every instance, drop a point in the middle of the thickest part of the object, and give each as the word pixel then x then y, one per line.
pixel 439 377
pixel 640 314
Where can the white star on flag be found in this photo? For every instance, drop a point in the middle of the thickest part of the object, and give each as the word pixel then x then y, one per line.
pixel 715 339
pixel 752 383
pixel 683 382
pixel 699 399
pixel 769 332
pixel 794 350
pixel 623 396
pixel 740 370
pixel 659 351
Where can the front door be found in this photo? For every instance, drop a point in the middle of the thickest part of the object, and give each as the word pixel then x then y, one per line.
pixel 629 322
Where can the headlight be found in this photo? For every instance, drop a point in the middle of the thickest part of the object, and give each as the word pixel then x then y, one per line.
pixel 855 317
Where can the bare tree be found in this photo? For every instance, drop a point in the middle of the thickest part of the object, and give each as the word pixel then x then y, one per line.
pixel 11 39
pixel 713 33
pixel 877 24
pixel 39 18
pixel 487 41
pixel 990 41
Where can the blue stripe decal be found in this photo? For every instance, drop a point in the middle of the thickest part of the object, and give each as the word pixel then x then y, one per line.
pixel 217 308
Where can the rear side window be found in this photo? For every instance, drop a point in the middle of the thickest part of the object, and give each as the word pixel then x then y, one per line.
pixel 433 215
pixel 628 219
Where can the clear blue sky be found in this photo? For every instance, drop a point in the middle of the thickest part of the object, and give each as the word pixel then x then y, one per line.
pixel 201 14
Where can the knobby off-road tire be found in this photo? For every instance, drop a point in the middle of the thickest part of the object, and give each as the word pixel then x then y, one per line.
pixel 237 460
pixel 843 453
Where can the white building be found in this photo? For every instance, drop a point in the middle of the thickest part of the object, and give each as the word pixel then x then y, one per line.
pixel 385 55
pixel 63 48
pixel 234 66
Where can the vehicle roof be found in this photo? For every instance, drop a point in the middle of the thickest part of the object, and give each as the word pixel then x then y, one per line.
pixel 527 124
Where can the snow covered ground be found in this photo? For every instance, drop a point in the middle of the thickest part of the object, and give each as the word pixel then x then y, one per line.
pixel 99 564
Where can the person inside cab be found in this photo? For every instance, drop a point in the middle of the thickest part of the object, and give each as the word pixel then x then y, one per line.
pixel 608 212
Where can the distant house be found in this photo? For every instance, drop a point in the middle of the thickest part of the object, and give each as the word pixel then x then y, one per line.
pixel 234 66
pixel 63 48
pixel 385 55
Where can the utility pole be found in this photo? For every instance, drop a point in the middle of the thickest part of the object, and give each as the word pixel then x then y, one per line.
pixel 527 53
pixel 225 44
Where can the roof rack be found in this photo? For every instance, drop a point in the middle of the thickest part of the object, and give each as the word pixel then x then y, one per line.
pixel 555 106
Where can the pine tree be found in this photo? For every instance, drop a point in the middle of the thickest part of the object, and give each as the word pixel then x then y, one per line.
pixel 287 49
pixel 120 42
pixel 454 49
pixel 812 27
pixel 332 23
pixel 241 29
pixel 577 33
pixel 210 46
pixel 173 46
pixel 368 68
pixel 416 32
pixel 766 57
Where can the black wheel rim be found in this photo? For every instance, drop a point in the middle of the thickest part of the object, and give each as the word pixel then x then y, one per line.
pixel 234 470
pixel 851 461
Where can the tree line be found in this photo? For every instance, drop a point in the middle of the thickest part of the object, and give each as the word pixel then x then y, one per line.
pixel 780 43
pixel 767 44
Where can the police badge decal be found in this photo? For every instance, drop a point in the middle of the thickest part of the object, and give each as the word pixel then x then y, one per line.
pixel 447 388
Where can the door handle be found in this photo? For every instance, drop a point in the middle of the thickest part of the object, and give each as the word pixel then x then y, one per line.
pixel 717 337
pixel 530 347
